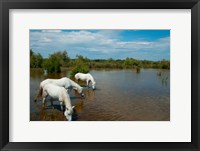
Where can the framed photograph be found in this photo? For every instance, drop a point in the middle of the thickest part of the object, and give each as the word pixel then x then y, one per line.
pixel 85 75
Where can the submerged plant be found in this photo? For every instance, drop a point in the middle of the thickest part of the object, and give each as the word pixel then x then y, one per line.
pixel 159 74
pixel 138 69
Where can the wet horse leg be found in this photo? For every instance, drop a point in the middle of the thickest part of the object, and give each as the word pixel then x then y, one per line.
pixel 44 101
pixel 88 81
pixel 44 96
pixel 52 103
pixel 61 105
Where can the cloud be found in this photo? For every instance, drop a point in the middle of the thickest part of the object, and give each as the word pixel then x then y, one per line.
pixel 51 31
pixel 106 42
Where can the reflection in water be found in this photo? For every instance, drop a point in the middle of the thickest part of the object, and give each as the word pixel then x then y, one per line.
pixel 79 106
pixel 89 94
pixel 121 95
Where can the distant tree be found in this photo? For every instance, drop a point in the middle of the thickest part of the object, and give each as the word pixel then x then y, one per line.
pixel 52 64
pixel 35 60
pixel 31 52
pixel 80 59
pixel 130 63
pixel 164 64
pixel 82 68
pixel 63 57
pixel 81 65
pixel 110 60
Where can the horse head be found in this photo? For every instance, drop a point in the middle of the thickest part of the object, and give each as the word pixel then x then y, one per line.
pixel 93 85
pixel 68 113
pixel 81 91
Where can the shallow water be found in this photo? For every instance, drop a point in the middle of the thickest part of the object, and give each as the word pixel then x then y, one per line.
pixel 121 95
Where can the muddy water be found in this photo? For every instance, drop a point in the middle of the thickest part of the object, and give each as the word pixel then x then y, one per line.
pixel 121 95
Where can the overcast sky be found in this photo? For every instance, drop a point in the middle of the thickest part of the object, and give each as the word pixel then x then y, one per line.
pixel 103 44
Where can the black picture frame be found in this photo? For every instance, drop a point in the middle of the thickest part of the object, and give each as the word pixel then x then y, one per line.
pixel 5 5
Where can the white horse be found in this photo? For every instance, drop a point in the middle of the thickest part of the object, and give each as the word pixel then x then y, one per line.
pixel 60 93
pixel 86 77
pixel 63 82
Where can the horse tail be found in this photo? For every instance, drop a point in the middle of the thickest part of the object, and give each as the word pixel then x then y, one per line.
pixel 39 94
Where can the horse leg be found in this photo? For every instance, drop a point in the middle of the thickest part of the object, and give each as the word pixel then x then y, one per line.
pixel 44 96
pixel 77 80
pixel 43 102
pixel 72 87
pixel 61 105
pixel 88 82
pixel 52 103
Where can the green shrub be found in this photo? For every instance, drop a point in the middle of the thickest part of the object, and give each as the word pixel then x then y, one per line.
pixel 35 60
pixel 52 64
pixel 62 57
pixel 83 68
pixel 165 64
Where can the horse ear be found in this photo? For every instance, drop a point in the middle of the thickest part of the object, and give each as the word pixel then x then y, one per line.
pixel 73 107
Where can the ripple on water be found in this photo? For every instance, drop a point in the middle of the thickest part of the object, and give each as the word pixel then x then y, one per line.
pixel 121 95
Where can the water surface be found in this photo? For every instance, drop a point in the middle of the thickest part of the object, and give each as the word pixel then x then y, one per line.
pixel 121 95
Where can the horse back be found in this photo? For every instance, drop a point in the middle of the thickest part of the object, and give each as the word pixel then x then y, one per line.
pixel 53 90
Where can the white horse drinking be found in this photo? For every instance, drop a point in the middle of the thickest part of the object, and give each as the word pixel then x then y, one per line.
pixel 63 82
pixel 60 93
pixel 86 77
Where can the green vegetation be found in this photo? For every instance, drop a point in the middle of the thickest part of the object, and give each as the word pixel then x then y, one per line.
pixel 35 60
pixel 52 64
pixel 128 63
pixel 82 64
pixel 55 61
pixel 79 68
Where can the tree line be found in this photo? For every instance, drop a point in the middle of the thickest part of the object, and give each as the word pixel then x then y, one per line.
pixel 83 64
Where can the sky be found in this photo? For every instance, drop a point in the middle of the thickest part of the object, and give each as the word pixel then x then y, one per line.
pixel 103 44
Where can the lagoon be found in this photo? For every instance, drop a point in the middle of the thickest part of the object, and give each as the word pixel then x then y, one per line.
pixel 121 95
